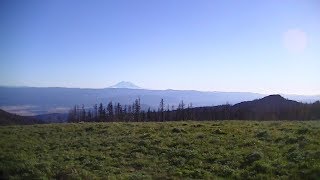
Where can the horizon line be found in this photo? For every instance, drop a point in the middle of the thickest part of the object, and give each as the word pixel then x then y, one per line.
pixel 205 91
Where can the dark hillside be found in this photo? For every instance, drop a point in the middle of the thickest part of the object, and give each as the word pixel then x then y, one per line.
pixel 271 107
pixel 13 119
pixel 268 102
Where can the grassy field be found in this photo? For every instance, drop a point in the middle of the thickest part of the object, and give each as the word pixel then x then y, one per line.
pixel 226 149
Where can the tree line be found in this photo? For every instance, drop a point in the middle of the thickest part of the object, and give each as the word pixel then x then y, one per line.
pixel 116 112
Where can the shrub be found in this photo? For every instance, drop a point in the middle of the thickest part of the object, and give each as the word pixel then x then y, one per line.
pixel 263 135
pixel 250 158
pixel 219 131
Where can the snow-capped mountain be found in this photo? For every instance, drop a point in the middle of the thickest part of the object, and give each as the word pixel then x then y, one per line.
pixel 125 84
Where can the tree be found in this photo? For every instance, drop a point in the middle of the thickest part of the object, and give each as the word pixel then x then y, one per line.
pixel 155 116
pixel 167 114
pixel 110 111
pixel 161 110
pixel 83 113
pixel 95 113
pixel 189 113
pixel 149 114
pixel 129 113
pixel 180 111
pixel 89 116
pixel 137 109
pixel 118 112
pixel 72 116
pixel 125 113
pixel 77 114
pixel 101 113
pixel 143 116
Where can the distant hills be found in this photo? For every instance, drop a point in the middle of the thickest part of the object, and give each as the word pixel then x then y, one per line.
pixel 273 107
pixel 35 101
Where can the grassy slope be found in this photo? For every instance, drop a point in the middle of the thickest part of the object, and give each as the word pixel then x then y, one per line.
pixel 236 149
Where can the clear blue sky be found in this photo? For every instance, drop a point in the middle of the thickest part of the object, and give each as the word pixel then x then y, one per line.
pixel 240 45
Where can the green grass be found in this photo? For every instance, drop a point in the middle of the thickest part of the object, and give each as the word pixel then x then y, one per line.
pixel 226 149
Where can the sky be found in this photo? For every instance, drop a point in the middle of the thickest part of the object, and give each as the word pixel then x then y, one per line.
pixel 229 45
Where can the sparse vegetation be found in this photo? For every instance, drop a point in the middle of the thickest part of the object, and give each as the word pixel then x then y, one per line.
pixel 227 149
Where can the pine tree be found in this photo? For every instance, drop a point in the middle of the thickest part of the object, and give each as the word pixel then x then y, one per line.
pixel 161 110
pixel 181 113
pixel 83 114
pixel 95 113
pixel 149 114
pixel 101 112
pixel 110 111
pixel 143 116
pixel 89 116
pixel 137 109
pixel 72 116
pixel 125 113
pixel 118 112
pixel 167 114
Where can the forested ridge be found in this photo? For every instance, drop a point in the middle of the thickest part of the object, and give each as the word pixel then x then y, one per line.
pixel 273 107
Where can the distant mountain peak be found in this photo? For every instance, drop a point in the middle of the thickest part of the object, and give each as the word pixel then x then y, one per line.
pixel 125 84
pixel 274 97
